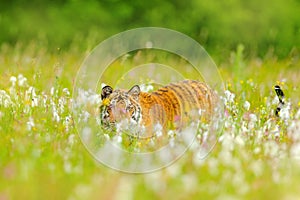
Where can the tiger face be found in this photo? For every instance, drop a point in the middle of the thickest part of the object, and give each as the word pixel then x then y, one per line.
pixel 119 105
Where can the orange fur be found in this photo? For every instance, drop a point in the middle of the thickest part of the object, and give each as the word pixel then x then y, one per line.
pixel 175 102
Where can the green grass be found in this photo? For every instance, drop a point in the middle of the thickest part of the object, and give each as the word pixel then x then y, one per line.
pixel 42 156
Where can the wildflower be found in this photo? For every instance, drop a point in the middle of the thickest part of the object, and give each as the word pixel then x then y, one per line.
pixel 5 99
pixel 146 88
pixel 171 133
pixel 52 90
pixel 118 139
pixel 285 112
pixel 44 100
pixel 13 80
pixel 229 96
pixel 247 105
pixel 244 128
pixel 34 102
pixel 56 117
pixel 67 123
pixel 61 103
pixel 85 116
pixel 66 91
pixel 253 120
pixel 30 124
pixel 105 102
pixel 253 117
pixel 275 101
pixel 87 98
pixel 158 130
pixel 22 81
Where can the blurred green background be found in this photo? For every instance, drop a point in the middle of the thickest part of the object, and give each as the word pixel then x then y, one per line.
pixel 263 27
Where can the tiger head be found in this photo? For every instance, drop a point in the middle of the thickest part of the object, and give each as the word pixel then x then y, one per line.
pixel 118 105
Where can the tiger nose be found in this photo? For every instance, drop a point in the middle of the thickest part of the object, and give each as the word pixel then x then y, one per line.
pixel 120 113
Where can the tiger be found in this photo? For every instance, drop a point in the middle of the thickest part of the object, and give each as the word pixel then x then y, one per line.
pixel 168 107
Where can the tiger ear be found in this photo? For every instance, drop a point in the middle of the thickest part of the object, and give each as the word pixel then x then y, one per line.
pixel 135 92
pixel 106 91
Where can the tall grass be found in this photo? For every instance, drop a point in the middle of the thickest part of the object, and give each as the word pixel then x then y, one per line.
pixel 41 155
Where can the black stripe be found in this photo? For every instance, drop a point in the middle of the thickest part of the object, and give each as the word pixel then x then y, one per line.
pixel 165 101
pixel 180 97
pixel 194 98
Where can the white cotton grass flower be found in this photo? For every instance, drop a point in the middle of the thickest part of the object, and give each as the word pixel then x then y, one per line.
pixel 5 99
pixel 67 123
pixel 61 104
pixel 253 117
pixel 86 97
pixel 22 81
pixel 34 102
pixel 52 90
pixel 30 95
pixel 244 129
pixel 284 113
pixel 158 129
pixel 275 101
pixel 13 80
pixel 56 116
pixel 45 100
pixel 276 131
pixel 30 124
pixel 117 139
pixel 146 87
pixel 66 91
pixel 252 122
pixel 85 116
pixel 239 140
pixel 229 96
pixel 171 133
pixel 246 105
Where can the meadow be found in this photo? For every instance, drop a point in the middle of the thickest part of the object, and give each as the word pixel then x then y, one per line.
pixel 41 155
